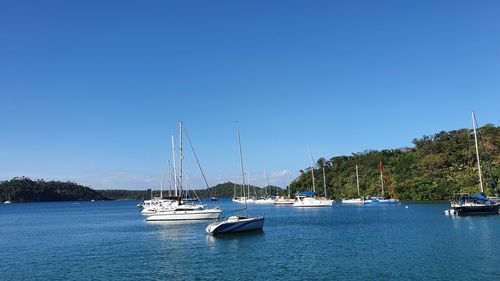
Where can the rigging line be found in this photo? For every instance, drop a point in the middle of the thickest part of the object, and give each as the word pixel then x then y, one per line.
pixel 488 162
pixel 194 191
pixel 196 157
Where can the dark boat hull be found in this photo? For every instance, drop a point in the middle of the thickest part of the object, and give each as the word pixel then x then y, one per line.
pixel 477 210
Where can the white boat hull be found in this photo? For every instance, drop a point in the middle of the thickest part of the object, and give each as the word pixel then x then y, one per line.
pixel 264 201
pixel 242 200
pixel 236 224
pixel 312 202
pixel 358 201
pixel 283 202
pixel 206 214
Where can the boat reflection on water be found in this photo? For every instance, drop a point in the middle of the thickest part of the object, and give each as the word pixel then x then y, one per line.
pixel 171 223
pixel 238 237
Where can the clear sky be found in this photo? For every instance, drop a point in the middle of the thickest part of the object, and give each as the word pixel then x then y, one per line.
pixel 91 91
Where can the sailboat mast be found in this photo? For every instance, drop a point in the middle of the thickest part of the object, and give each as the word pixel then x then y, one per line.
pixel 357 180
pixel 312 170
pixel 161 185
pixel 474 125
pixel 242 170
pixel 267 182
pixel 287 187
pixel 175 170
pixel 180 157
pixel 381 167
pixel 324 180
pixel 248 184
pixel 169 166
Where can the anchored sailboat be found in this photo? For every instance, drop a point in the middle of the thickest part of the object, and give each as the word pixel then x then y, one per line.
pixel 308 198
pixel 381 200
pixel 177 207
pixel 474 204
pixel 284 200
pixel 237 223
pixel 266 199
pixel 358 200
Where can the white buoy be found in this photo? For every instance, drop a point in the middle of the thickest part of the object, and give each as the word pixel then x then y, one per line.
pixel 406 207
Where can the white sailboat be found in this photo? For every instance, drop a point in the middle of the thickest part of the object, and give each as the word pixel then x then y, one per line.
pixel 177 208
pixel 358 200
pixel 284 200
pixel 237 223
pixel 308 198
pixel 267 199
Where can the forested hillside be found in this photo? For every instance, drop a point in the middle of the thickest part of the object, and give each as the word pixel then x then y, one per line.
pixel 27 190
pixel 436 167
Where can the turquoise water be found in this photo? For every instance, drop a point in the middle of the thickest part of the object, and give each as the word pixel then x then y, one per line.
pixel 112 241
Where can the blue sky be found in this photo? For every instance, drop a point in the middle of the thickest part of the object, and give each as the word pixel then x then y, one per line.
pixel 91 91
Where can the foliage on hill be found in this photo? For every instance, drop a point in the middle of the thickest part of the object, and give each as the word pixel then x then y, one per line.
pixel 228 189
pixel 219 190
pixel 434 169
pixel 123 194
pixel 26 190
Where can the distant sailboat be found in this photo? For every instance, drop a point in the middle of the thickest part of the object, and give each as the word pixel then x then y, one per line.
pixel 267 199
pixel 238 223
pixel 308 198
pixel 358 200
pixel 474 204
pixel 381 200
pixel 284 200
pixel 8 201
pixel 176 207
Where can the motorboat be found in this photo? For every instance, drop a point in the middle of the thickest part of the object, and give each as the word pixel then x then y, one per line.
pixel 308 199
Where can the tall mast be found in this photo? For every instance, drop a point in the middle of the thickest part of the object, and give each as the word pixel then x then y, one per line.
pixel 175 170
pixel 284 181
pixel 324 180
pixel 381 167
pixel 474 125
pixel 267 182
pixel 288 187
pixel 357 180
pixel 161 185
pixel 242 170
pixel 169 166
pixel 248 184
pixel 180 156
pixel 312 170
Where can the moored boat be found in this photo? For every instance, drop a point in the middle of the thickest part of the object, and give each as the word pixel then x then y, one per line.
pixel 377 200
pixel 283 200
pixel 238 223
pixel 308 199
pixel 475 204
pixel 357 200
pixel 383 199
pixel 179 206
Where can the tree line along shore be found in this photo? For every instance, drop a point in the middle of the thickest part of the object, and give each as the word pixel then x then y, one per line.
pixel 434 168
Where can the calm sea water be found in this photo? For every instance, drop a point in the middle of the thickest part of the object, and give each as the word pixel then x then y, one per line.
pixel 112 241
